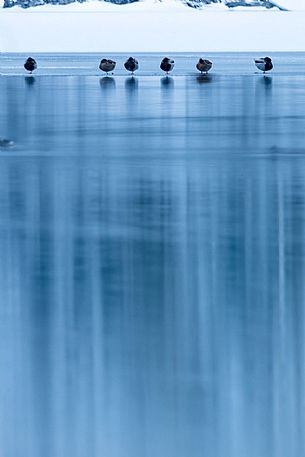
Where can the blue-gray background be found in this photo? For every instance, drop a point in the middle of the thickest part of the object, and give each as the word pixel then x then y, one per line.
pixel 152 261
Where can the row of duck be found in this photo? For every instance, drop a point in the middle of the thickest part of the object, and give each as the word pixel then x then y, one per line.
pixel 167 65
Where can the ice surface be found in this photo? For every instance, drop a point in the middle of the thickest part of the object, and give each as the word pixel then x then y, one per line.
pixel 152 263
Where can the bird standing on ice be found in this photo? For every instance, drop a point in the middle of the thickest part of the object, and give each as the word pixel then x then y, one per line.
pixel 167 64
pixel 131 64
pixel 107 65
pixel 5 143
pixel 30 64
pixel 264 64
pixel 204 65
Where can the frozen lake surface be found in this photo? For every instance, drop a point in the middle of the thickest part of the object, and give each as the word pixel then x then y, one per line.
pixel 225 64
pixel 152 259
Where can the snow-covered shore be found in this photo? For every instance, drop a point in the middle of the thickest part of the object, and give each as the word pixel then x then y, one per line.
pixel 150 26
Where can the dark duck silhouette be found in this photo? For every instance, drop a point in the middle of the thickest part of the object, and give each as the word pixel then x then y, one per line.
pixel 131 64
pixel 107 65
pixel 30 64
pixel 167 64
pixel 264 64
pixel 204 65
pixel 5 143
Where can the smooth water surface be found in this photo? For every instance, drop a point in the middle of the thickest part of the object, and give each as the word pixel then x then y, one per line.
pixel 152 264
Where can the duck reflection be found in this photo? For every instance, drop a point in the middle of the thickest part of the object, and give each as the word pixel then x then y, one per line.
pixel 203 79
pixel 167 82
pixel 263 88
pixel 29 80
pixel 107 82
pixel 131 84
pixel 266 80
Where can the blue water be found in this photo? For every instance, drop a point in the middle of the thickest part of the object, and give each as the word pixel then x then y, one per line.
pixel 152 261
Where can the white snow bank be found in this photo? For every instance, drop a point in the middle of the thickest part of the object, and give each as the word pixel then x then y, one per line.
pixel 149 26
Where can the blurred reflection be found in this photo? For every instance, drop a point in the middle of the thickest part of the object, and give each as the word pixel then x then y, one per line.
pixel 107 82
pixel 131 84
pixel 264 88
pixel 201 79
pixel 125 319
pixel 167 81
pixel 267 80
pixel 29 80
pixel 152 285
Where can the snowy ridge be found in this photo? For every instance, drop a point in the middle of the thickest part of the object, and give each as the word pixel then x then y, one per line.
pixel 198 4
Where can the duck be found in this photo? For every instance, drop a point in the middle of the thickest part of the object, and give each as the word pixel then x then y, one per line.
pixel 167 65
pixel 107 65
pixel 204 65
pixel 5 143
pixel 131 65
pixel 30 64
pixel 264 64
